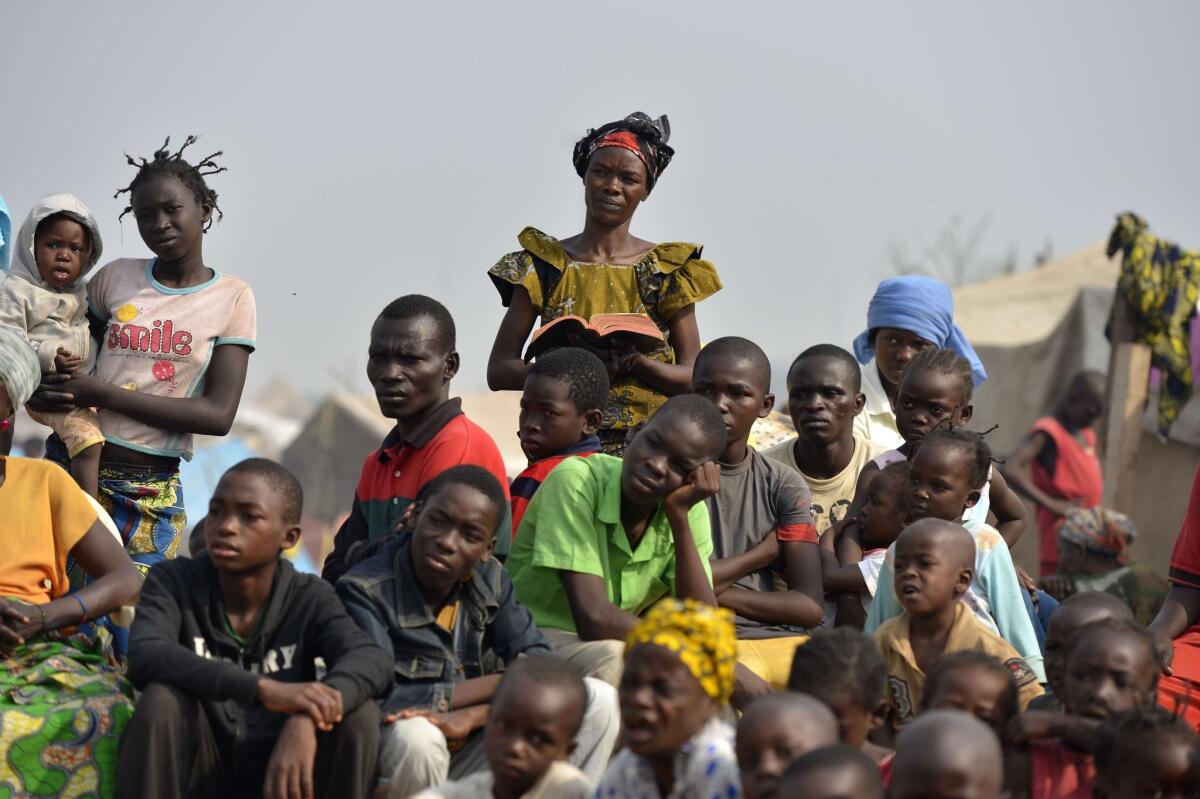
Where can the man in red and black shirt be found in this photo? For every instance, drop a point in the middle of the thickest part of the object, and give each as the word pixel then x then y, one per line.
pixel 410 364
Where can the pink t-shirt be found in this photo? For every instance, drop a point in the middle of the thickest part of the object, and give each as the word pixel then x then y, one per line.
pixel 160 340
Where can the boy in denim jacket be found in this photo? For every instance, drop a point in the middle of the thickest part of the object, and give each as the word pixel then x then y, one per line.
pixel 445 611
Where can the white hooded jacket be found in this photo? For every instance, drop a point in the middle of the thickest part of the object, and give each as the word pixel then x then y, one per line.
pixel 48 317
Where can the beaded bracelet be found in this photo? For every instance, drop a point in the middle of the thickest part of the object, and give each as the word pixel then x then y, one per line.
pixel 82 606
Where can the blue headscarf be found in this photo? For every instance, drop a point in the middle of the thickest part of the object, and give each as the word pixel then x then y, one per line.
pixel 923 306
pixel 5 237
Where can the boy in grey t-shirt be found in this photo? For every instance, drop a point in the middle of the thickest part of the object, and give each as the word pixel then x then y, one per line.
pixel 766 566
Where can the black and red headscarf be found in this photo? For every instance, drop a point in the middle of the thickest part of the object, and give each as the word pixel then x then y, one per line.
pixel 644 137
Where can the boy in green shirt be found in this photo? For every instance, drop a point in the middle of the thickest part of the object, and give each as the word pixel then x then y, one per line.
pixel 605 538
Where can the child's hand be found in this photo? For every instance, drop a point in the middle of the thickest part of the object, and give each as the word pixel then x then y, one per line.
pixel 702 483
pixel 830 537
pixel 767 550
pixel 747 687
pixel 316 700
pixel 290 769
pixel 457 725
pixel 1033 725
pixel 65 363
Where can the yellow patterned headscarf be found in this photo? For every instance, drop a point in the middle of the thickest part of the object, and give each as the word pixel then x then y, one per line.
pixel 701 635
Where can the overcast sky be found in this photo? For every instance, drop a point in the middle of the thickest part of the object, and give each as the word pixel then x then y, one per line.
pixel 377 149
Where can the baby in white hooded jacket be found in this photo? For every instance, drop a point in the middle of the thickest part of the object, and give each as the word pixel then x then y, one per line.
pixel 44 298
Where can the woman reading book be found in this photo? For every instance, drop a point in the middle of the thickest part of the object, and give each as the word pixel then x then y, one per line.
pixel 607 270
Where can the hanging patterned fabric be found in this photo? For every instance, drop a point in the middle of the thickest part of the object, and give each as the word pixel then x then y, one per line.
pixel 1161 282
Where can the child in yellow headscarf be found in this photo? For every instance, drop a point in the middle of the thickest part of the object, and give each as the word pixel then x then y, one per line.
pixel 679 674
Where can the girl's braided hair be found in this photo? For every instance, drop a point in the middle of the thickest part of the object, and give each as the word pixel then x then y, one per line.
pixel 168 164
pixel 944 361
pixel 972 444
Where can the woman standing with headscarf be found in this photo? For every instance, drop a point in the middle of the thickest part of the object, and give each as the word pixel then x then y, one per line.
pixel 605 269
pixel 906 316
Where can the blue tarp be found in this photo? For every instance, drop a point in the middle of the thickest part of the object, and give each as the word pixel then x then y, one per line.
pixel 200 476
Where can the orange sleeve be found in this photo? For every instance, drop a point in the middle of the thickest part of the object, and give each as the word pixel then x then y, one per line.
pixel 71 515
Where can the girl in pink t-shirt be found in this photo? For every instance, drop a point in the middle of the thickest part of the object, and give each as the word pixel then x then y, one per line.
pixel 175 338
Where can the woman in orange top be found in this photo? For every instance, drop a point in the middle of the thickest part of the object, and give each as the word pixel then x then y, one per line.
pixel 62 706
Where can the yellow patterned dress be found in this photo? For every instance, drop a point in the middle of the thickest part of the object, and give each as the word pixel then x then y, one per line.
pixel 663 282
pixel 1161 282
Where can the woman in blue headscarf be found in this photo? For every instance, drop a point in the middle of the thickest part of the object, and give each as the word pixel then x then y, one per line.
pixel 907 315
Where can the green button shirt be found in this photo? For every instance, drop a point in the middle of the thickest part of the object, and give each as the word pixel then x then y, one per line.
pixel 573 523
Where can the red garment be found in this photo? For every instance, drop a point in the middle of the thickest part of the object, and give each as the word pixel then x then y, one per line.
pixel 1180 692
pixel 626 140
pixel 529 481
pixel 1185 556
pixel 1076 478
pixel 394 474
pixel 885 769
pixel 1057 772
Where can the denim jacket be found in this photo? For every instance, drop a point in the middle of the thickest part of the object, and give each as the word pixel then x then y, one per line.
pixel 493 629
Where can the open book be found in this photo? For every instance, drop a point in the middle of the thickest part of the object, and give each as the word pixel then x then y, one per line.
pixel 599 331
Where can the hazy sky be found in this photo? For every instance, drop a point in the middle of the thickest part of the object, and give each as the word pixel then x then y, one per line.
pixel 377 149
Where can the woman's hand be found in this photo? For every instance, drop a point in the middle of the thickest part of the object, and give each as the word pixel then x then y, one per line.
pixel 53 395
pixel 1063 508
pixel 1164 647
pixel 19 621
pixel 61 393
pixel 88 391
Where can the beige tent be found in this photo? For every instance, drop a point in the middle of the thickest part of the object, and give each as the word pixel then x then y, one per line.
pixel 1033 331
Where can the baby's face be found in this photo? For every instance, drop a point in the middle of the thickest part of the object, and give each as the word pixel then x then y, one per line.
pixel 62 248
pixel 883 516
pixel 973 690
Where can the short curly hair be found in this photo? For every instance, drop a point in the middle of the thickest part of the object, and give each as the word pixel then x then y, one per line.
pixel 1008 705
pixel 281 481
pixel 584 374
pixel 840 663
pixel 415 306
pixel 702 413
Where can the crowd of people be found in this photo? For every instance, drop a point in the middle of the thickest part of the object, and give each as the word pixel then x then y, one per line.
pixel 653 608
